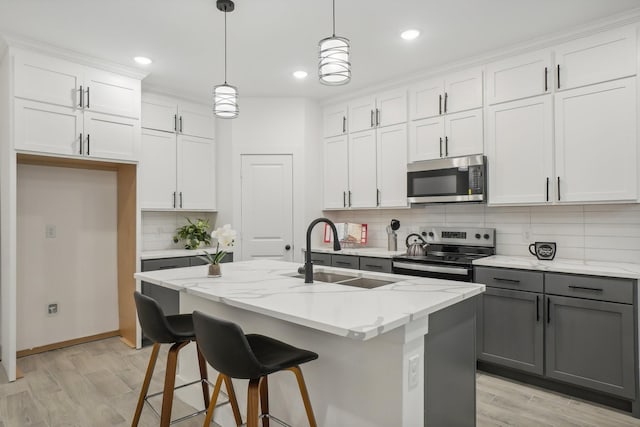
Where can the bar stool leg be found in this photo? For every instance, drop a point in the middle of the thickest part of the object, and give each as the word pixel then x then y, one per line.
pixel 213 401
pixel 232 398
pixel 169 383
pixel 145 384
pixel 264 400
pixel 305 395
pixel 204 375
pixel 252 402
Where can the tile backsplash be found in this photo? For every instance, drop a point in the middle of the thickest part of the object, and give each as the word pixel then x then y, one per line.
pixel 584 232
pixel 158 228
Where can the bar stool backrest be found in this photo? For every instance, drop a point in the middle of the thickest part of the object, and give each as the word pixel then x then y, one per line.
pixel 152 319
pixel 225 347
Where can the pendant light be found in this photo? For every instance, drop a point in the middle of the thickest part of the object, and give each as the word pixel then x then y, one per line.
pixel 334 68
pixel 225 96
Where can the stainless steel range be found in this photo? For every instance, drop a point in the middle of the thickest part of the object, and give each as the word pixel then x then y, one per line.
pixel 449 253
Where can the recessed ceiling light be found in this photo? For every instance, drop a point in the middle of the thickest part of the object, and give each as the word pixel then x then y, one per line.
pixel 410 34
pixel 300 74
pixel 142 60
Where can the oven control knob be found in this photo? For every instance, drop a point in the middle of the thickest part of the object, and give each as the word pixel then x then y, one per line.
pixel 477 235
pixel 486 236
pixel 431 234
pixel 424 233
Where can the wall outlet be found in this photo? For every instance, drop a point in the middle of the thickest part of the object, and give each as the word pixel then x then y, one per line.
pixel 414 370
pixel 52 309
pixel 50 231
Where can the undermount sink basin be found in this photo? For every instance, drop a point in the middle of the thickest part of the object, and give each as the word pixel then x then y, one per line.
pixel 343 279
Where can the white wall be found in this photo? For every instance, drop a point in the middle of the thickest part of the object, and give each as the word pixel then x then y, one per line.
pixel 583 232
pixel 275 126
pixel 78 268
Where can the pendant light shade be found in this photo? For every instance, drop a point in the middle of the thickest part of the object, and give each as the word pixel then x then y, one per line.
pixel 334 67
pixel 225 101
pixel 225 96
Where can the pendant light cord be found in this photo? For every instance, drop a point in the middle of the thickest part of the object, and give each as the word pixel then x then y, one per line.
pixel 225 45
pixel 334 18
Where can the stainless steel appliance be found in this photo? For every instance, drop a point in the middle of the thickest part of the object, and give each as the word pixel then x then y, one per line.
pixel 455 179
pixel 450 252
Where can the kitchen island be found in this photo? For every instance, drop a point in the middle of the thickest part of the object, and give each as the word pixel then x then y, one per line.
pixel 402 354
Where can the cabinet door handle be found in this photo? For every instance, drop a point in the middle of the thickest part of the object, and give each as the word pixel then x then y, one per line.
pixel 377 197
pixel 537 308
pixel 180 124
pixel 88 97
pixel 440 105
pixel 81 97
pixel 547 189
pixel 546 79
pixel 181 199
pixel 174 199
pixel 440 146
pixel 88 144
pixel 344 124
pixel 500 279
pixel 548 310
pixel 446 146
pixel 558 188
pixel 80 144
pixel 446 96
pixel 377 117
pixel 349 198
pixel 586 288
pixel 371 118
pixel 558 76
pixel 344 199
pixel 175 123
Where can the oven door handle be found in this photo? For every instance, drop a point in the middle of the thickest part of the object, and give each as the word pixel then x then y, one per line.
pixel 431 268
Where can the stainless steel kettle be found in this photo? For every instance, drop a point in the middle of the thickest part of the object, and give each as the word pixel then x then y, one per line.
pixel 416 248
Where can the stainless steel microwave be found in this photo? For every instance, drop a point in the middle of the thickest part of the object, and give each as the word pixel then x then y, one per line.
pixel 455 179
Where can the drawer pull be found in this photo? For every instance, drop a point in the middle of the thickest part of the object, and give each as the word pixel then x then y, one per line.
pixel 585 288
pixel 500 279
pixel 343 263
pixel 373 266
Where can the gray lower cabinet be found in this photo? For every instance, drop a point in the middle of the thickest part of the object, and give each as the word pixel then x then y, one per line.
pixel 321 258
pixel 382 265
pixel 511 329
pixel 345 261
pixel 591 344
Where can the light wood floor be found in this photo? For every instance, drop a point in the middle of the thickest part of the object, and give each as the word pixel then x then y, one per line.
pixel 97 384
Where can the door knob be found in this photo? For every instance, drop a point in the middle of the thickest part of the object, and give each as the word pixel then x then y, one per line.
pixel 288 247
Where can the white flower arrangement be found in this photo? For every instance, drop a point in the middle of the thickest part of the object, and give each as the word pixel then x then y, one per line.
pixel 224 236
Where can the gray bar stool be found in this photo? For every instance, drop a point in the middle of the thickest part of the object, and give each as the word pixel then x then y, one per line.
pixel 178 331
pixel 236 355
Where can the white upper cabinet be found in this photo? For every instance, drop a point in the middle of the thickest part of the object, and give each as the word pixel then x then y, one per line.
pixel 520 151
pixel 596 143
pixel 426 137
pixel 157 172
pixel 69 109
pixel 172 115
pixel 384 109
pixel 335 120
pixel 196 183
pixel 456 92
pixel 519 77
pixel 362 170
pixel 392 166
pixel 336 172
pixel 598 58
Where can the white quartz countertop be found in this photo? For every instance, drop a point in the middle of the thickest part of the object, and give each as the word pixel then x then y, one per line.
pixel 372 252
pixel 176 253
pixel 266 287
pixel 594 268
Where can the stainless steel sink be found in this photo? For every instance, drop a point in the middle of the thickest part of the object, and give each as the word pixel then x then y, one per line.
pixel 344 279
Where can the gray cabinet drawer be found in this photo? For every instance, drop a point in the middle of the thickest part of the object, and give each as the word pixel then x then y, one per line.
pixel 521 280
pixel 375 264
pixel 321 258
pixel 345 261
pixel 194 260
pixel 164 263
pixel 590 287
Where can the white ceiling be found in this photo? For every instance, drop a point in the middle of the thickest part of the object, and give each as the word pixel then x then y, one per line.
pixel 269 39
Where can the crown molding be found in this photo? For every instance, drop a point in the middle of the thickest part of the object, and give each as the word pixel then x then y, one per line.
pixel 19 42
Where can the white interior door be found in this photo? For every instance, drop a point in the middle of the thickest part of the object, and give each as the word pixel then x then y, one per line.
pixel 267 207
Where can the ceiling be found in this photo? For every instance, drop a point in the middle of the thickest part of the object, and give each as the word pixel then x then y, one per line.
pixel 268 40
